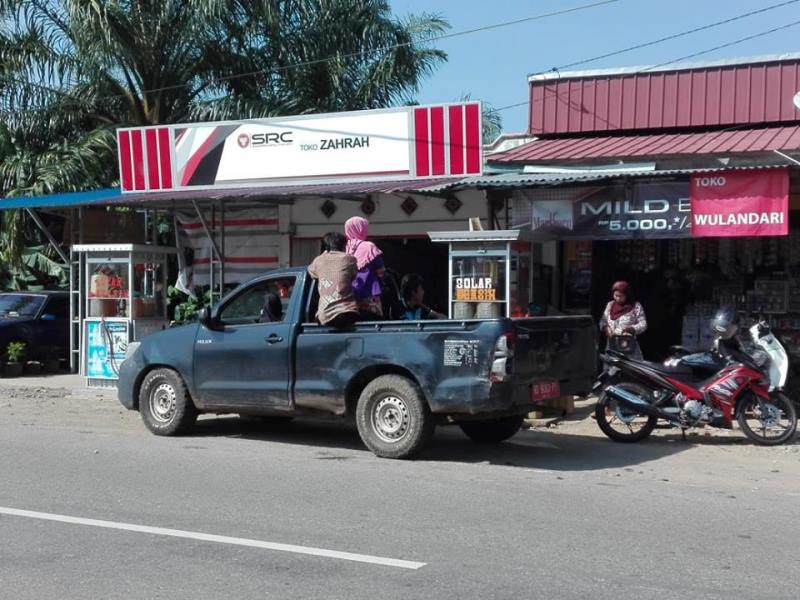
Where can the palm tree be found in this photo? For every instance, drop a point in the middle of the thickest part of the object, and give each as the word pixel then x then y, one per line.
pixel 72 71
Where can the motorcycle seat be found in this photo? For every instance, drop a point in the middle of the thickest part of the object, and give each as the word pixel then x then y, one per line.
pixel 682 372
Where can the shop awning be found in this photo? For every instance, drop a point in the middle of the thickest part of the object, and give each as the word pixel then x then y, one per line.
pixel 728 141
pixel 276 194
pixel 519 180
pixel 285 193
pixel 66 200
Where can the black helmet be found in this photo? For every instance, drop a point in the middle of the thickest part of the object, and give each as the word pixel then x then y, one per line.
pixel 724 323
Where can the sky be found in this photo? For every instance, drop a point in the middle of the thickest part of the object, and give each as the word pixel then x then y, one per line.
pixel 493 66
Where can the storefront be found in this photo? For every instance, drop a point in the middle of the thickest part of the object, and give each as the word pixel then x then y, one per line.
pixel 682 179
pixel 245 197
pixel 688 242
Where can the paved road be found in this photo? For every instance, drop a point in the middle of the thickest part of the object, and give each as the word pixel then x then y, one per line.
pixel 551 514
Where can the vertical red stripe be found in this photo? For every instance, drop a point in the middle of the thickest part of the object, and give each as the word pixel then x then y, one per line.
pixel 456 123
pixel 421 141
pixel 153 180
pixel 138 159
pixel 473 139
pixel 165 158
pixel 437 140
pixel 126 170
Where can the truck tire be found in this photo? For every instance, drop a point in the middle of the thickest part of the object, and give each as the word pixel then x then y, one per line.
pixel 393 418
pixel 164 403
pixel 494 431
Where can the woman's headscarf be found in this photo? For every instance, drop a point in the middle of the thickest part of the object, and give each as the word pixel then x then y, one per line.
pixel 357 229
pixel 617 310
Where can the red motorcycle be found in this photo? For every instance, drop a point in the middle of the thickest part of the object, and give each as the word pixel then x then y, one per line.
pixel 746 388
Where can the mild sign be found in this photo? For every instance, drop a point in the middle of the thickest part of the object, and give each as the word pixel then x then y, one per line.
pixel 740 204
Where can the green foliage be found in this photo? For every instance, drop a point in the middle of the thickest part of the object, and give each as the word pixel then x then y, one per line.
pixel 16 351
pixel 37 267
pixel 186 307
pixel 72 71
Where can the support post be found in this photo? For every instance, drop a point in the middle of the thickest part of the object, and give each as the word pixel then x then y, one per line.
pixel 222 244
pixel 204 223
pixel 49 236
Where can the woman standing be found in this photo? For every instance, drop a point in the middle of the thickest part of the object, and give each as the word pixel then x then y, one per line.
pixel 623 320
pixel 369 261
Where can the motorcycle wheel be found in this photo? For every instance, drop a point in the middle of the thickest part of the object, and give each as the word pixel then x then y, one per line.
pixel 620 423
pixel 768 423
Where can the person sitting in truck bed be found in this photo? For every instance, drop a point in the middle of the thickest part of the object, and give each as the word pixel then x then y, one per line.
pixel 371 268
pixel 335 270
pixel 413 293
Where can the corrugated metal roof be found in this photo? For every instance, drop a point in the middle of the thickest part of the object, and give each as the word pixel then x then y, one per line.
pixel 753 94
pixel 277 193
pixel 763 139
pixel 681 66
pixel 522 180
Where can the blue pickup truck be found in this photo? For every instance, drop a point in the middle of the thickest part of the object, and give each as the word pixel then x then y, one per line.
pixel 397 379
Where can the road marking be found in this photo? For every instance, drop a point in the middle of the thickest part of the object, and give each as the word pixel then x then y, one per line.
pixel 220 539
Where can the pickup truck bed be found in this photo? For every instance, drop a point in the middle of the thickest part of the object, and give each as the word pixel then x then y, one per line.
pixel 398 379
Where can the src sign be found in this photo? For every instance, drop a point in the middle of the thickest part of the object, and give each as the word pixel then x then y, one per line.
pixel 260 140
pixel 405 143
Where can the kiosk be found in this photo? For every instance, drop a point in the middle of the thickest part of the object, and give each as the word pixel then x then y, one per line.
pixel 491 273
pixel 123 300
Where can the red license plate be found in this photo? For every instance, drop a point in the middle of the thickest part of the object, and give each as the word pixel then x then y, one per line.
pixel 545 390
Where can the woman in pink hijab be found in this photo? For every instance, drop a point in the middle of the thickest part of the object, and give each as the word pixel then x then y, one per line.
pixel 369 261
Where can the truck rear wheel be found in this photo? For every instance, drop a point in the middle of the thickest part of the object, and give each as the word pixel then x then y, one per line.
pixel 164 403
pixel 393 418
pixel 494 431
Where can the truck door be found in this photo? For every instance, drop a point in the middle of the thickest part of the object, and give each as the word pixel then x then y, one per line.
pixel 246 360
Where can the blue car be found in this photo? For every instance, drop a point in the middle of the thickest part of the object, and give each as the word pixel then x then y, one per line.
pixel 39 319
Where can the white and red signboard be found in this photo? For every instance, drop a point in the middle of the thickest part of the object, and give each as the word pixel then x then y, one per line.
pixel 402 143
pixel 740 203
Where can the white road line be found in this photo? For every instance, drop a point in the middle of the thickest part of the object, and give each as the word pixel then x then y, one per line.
pixel 220 539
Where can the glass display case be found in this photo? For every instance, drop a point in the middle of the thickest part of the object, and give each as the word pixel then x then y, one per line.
pixel 122 299
pixel 490 273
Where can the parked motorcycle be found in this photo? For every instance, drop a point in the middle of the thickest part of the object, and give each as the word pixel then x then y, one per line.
pixel 727 383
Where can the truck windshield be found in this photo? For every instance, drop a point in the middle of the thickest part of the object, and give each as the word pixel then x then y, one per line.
pixel 20 305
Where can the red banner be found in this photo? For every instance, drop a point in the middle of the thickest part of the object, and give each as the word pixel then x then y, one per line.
pixel 740 203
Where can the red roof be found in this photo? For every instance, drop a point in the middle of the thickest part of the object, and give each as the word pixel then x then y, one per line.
pixel 748 93
pixel 662 144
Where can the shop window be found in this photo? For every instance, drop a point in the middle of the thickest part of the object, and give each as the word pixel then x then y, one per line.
pixel 108 290
pixel 249 307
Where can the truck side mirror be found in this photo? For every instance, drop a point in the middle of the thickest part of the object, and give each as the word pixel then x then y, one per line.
pixel 204 316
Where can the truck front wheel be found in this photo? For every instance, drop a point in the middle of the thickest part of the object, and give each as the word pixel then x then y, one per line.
pixel 393 418
pixel 494 431
pixel 164 403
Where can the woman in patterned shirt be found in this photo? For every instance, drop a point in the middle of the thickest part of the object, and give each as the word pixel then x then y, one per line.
pixel 623 320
